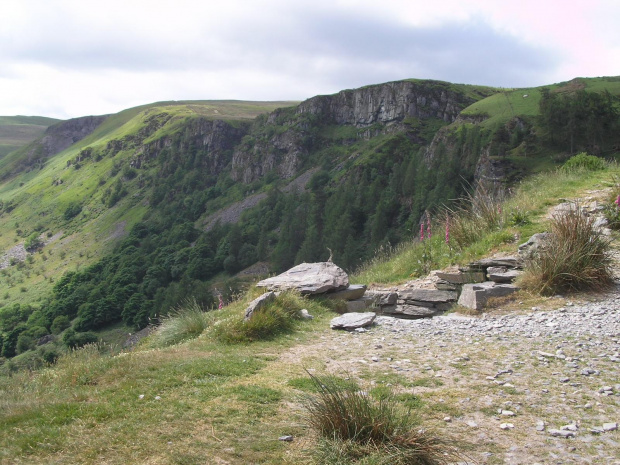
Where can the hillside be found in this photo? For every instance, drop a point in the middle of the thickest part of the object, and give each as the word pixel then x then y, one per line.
pixel 530 380
pixel 122 225
pixel 17 131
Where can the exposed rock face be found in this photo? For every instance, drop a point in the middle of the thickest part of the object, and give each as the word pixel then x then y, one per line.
pixel 216 138
pixel 386 105
pixel 309 278
pixel 60 136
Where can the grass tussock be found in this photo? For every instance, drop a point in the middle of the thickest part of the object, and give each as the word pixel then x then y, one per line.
pixel 355 428
pixel 576 257
pixel 186 321
pixel 278 317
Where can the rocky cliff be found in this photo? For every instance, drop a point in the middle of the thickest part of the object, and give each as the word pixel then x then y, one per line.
pixel 373 110
pixel 60 136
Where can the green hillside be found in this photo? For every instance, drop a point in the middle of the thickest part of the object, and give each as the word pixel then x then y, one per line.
pixel 119 228
pixel 17 131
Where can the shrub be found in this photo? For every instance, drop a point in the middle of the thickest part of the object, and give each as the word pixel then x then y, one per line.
pixel 72 210
pixel 186 321
pixel 354 427
pixel 583 161
pixel 577 257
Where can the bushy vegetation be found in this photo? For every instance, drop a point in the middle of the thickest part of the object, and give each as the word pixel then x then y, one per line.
pixel 583 161
pixel 356 428
pixel 187 320
pixel 575 258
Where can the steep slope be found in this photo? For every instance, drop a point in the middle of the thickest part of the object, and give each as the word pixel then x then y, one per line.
pixel 16 131
pixel 168 200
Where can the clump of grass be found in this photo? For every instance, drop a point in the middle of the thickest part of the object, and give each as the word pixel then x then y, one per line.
pixel 576 258
pixel 356 428
pixel 186 321
pixel 277 317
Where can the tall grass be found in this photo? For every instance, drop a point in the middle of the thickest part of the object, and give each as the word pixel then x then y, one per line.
pixel 356 428
pixel 576 258
pixel 186 321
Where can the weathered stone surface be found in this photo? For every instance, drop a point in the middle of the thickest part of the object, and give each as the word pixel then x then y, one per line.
pixel 501 274
pixel 427 295
pixel 462 277
pixel 383 298
pixel 309 278
pixel 410 311
pixel 258 303
pixel 353 292
pixel 351 321
pixel 508 262
pixel 475 296
pixel 445 286
pixel 359 305
pixel 534 244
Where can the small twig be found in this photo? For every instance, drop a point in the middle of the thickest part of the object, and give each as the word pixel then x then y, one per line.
pixel 213 433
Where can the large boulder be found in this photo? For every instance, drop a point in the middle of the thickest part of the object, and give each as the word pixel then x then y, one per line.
pixel 309 278
pixel 475 296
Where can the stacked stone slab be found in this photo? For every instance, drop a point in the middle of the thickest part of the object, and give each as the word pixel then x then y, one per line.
pixel 500 273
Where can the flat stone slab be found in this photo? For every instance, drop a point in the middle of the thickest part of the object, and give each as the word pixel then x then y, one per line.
pixel 508 262
pixel 410 311
pixel 354 320
pixel 462 277
pixel 383 298
pixel 427 295
pixel 309 278
pixel 353 292
pixel 475 296
pixel 501 274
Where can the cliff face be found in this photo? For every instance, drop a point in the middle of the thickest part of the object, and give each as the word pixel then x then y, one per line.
pixel 388 103
pixel 60 136
pixel 374 110
pixel 215 138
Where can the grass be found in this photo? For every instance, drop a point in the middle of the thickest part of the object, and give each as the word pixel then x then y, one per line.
pixel 354 427
pixel 187 321
pixel 576 257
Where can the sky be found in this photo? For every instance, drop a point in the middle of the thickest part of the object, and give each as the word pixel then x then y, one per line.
pixel 70 58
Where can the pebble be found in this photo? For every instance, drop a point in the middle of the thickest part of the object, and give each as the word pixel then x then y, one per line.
pixel 286 438
pixel 505 426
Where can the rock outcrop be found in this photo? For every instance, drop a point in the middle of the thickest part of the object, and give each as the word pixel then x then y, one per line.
pixel 309 278
pixel 353 320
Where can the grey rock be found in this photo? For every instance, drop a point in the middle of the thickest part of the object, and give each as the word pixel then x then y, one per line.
pixel 482 265
pixel 303 313
pixel 501 274
pixel 353 292
pixel 428 295
pixel 610 426
pixel 410 311
pixel 475 296
pixel 461 277
pixel 309 278
pixel 286 438
pixel 540 425
pixel 534 245
pixel 561 433
pixel 360 305
pixel 383 298
pixel 351 321
pixel 258 303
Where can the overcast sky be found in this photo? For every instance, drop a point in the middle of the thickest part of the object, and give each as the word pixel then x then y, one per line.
pixel 69 58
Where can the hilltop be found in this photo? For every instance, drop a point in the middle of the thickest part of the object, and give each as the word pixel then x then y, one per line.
pixel 17 131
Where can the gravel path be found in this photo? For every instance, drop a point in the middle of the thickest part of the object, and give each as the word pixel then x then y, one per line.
pixel 533 387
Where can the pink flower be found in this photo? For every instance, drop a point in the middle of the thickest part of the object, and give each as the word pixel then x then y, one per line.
pixel 428 226
pixel 617 202
pixel 221 305
pixel 422 231
pixel 448 230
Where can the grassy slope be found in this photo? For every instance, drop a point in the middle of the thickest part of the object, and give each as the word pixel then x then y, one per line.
pixel 228 403
pixel 17 131
pixel 81 241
